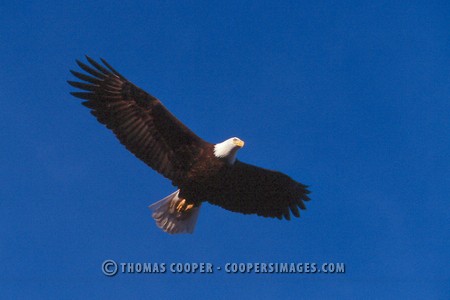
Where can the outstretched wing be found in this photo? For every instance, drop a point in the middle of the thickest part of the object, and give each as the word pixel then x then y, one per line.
pixel 254 190
pixel 138 119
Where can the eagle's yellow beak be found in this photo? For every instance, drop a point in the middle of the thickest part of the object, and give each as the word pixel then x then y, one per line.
pixel 239 143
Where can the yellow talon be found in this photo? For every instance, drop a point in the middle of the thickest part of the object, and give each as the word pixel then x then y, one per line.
pixel 183 207
pixel 180 205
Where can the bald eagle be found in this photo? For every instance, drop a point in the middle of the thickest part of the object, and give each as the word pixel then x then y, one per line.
pixel 200 170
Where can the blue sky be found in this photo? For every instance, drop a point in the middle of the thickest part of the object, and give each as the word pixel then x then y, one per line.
pixel 350 97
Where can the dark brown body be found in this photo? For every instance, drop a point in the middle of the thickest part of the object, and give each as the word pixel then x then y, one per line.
pixel 206 177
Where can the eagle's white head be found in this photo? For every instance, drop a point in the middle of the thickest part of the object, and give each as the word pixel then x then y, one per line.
pixel 228 149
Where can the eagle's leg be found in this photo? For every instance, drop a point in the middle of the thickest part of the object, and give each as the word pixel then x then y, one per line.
pixel 174 214
pixel 183 206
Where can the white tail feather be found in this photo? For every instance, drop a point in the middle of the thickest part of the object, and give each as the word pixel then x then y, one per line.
pixel 171 220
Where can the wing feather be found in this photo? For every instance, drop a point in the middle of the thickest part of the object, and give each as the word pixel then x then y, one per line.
pixel 254 190
pixel 139 120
